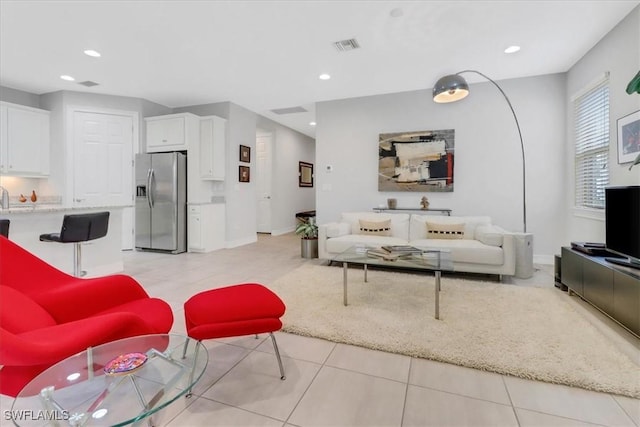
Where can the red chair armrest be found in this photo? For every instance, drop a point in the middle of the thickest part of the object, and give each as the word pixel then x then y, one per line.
pixel 83 298
pixel 47 346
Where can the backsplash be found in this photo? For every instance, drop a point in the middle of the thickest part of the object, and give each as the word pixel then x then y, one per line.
pixel 14 200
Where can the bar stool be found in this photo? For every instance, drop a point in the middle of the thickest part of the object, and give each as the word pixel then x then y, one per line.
pixel 4 227
pixel 77 229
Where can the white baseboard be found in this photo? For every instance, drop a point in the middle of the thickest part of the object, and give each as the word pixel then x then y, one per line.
pixel 241 242
pixel 543 259
pixel 283 231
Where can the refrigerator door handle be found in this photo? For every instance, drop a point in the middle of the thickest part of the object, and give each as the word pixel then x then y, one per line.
pixel 149 188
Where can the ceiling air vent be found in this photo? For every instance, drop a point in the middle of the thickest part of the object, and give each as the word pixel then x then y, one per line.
pixel 88 83
pixel 344 45
pixel 289 110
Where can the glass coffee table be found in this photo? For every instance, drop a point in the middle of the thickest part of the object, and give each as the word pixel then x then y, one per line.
pixel 422 259
pixel 114 384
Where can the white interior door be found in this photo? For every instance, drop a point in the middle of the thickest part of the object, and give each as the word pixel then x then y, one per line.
pixel 263 181
pixel 103 164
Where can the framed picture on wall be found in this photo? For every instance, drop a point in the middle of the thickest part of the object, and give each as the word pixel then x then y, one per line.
pixel 245 154
pixel 305 174
pixel 629 137
pixel 243 174
pixel 417 161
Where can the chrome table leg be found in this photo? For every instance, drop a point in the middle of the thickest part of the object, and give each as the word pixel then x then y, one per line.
pixel 437 294
pixel 344 267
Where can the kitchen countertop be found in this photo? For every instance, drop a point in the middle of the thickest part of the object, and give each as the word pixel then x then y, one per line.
pixel 27 208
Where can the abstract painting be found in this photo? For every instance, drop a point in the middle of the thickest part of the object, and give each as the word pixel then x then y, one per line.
pixel 418 161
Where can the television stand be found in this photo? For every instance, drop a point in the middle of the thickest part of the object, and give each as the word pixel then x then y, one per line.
pixel 623 261
pixel 613 290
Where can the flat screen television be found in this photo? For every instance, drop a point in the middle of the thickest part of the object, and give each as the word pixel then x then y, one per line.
pixel 622 218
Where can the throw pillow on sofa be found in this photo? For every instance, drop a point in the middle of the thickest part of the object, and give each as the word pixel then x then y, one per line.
pixel 445 231
pixel 418 228
pixel 399 222
pixel 375 228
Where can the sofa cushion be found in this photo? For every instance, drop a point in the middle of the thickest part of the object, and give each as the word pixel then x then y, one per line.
pixel 418 224
pixel 464 250
pixel 340 244
pixel 491 235
pixel 437 230
pixel 20 313
pixel 375 228
pixel 399 222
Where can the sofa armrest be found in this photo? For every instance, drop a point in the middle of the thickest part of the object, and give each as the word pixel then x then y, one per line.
pixel 509 249
pixel 82 298
pixel 489 234
pixel 322 242
pixel 327 231
pixel 337 229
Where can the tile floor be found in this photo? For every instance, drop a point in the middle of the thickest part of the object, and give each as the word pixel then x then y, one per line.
pixel 332 384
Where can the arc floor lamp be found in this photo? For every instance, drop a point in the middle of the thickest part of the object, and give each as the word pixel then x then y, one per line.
pixel 453 88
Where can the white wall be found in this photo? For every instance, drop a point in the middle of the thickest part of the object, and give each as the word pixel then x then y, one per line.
pixel 21 97
pixel 241 202
pixel 289 147
pixel 58 103
pixel 487 167
pixel 619 54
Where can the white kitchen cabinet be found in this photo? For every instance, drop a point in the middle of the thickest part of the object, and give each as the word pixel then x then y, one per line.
pixel 206 227
pixel 24 140
pixel 194 230
pixel 212 148
pixel 173 132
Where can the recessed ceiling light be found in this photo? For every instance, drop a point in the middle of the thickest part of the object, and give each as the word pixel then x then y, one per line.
pixel 324 76
pixel 67 78
pixel 312 123
pixel 92 52
pixel 512 49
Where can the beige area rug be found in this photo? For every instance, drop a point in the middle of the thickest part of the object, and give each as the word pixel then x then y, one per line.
pixel 527 332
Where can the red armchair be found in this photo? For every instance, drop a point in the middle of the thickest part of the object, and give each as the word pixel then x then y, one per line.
pixel 47 315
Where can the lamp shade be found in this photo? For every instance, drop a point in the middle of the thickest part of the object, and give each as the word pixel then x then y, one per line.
pixel 450 88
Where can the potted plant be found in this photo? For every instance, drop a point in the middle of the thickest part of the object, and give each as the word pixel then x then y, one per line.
pixel 308 230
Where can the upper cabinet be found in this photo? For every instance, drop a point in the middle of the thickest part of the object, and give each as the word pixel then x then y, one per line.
pixel 212 148
pixel 24 141
pixel 173 132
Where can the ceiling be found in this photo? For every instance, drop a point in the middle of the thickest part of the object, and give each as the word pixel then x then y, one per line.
pixel 266 55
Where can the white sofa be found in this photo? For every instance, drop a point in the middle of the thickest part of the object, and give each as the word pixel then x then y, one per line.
pixel 476 245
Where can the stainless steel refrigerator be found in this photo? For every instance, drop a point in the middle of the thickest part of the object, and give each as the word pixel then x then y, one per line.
pixel 161 202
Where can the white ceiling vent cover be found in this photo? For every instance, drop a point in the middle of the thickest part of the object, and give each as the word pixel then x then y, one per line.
pixel 289 110
pixel 344 45
pixel 88 83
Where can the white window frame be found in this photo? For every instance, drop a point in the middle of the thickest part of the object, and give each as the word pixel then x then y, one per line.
pixel 591 147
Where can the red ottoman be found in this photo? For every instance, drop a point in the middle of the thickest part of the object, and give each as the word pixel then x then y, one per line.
pixel 237 310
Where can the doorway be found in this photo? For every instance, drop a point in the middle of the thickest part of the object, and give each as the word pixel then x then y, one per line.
pixel 264 147
pixel 103 143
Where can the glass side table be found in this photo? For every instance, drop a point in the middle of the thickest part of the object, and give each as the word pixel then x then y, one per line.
pixel 114 384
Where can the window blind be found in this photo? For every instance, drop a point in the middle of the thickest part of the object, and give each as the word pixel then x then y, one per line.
pixel 591 121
